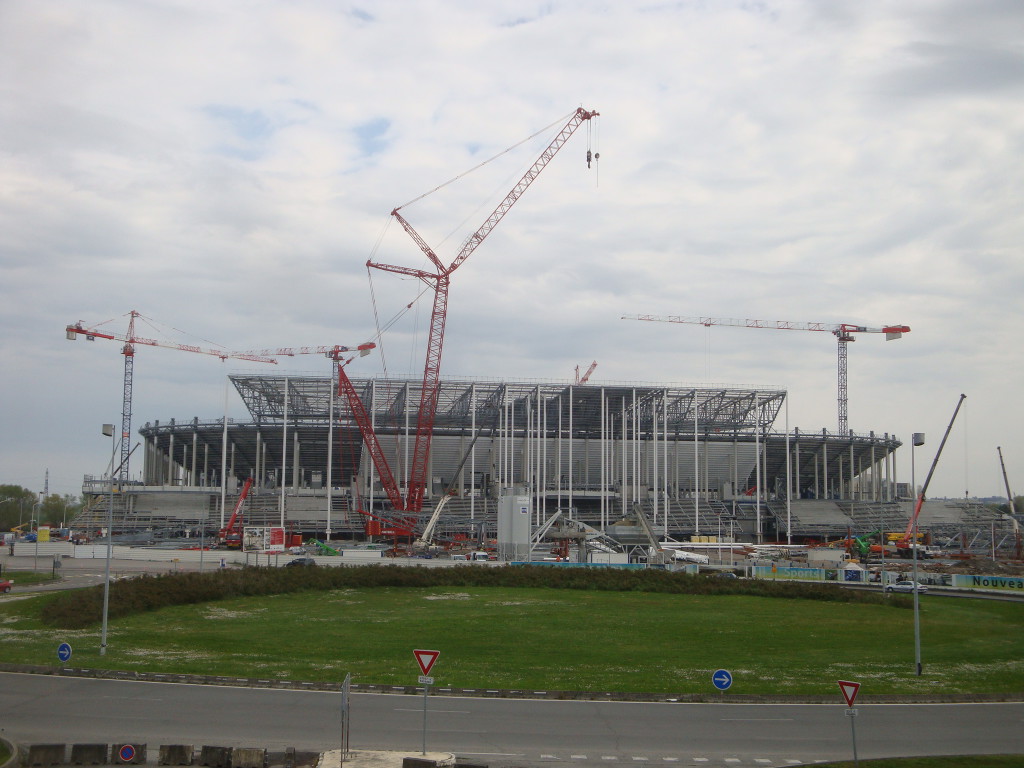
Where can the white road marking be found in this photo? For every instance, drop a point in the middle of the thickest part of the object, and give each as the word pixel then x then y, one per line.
pixel 432 710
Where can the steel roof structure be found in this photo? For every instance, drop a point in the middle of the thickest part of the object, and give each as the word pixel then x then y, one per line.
pixel 468 407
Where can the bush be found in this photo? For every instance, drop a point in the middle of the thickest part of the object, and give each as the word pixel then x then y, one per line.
pixel 82 608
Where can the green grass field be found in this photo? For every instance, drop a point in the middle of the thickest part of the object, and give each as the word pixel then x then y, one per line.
pixel 555 639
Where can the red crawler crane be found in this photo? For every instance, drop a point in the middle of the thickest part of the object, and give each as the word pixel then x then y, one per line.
pixel 440 280
pixel 231 534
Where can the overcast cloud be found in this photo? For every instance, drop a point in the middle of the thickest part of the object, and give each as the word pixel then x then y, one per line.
pixel 228 168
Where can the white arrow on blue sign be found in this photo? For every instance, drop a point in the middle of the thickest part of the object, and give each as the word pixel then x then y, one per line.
pixel 63 651
pixel 722 679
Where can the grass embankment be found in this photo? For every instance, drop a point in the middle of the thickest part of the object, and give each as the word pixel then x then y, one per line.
pixel 579 637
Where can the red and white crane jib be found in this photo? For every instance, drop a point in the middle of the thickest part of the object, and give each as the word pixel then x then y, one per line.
pixel 837 329
pixel 73 331
pixel 333 352
pixel 842 331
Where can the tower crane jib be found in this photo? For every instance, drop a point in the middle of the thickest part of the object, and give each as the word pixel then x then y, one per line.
pixel 842 331
pixel 129 341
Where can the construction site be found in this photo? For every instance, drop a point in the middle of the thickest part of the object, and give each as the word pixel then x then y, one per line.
pixel 572 470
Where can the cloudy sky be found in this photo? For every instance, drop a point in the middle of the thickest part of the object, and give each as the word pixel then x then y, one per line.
pixel 228 168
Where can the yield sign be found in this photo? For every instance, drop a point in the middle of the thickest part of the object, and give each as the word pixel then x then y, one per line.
pixel 426 659
pixel 849 691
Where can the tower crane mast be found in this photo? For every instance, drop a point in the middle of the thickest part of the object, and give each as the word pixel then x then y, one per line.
pixel 130 340
pixel 842 331
pixel 440 280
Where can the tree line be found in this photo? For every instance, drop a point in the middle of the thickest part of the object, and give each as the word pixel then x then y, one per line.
pixel 22 507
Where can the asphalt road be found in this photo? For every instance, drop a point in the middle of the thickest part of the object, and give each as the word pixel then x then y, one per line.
pixel 46 709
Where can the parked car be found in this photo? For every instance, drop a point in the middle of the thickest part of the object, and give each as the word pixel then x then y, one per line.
pixel 5 585
pixel 300 562
pixel 905 586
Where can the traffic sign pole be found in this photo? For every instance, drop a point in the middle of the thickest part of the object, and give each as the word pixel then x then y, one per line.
pixel 426 660
pixel 426 688
pixel 853 732
pixel 850 691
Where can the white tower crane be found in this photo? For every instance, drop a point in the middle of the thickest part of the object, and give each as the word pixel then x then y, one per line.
pixel 842 331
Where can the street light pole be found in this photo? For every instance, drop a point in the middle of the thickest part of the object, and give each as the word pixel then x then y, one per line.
pixel 918 439
pixel 108 430
pixel 36 509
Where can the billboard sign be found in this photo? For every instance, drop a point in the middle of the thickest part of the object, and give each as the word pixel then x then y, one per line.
pixel 268 539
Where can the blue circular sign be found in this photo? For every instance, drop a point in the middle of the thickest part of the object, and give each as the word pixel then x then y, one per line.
pixel 126 753
pixel 722 679
pixel 63 651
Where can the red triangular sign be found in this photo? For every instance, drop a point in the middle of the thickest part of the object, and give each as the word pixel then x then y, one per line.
pixel 849 691
pixel 426 659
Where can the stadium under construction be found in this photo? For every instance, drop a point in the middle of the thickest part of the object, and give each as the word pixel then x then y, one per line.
pixel 691 462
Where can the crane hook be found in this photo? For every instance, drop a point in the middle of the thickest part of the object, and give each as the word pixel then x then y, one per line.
pixel 588 158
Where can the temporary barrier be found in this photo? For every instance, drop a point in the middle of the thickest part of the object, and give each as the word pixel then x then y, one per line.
pixel 128 754
pixel 248 757
pixel 216 757
pixel 89 754
pixel 176 754
pixel 46 754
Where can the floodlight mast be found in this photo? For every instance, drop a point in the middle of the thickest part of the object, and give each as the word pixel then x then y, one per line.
pixel 842 331
pixel 440 282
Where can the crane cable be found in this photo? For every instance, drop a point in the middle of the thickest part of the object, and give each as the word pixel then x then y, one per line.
pixel 380 331
pixel 596 154
pixel 485 162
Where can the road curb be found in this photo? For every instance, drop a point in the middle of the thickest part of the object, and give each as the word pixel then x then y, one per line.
pixel 16 755
pixel 498 693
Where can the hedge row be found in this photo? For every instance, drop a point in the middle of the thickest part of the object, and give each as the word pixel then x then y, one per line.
pixel 82 608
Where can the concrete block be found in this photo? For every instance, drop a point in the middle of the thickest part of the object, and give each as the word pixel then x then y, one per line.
pixel 89 754
pixel 216 757
pixel 248 757
pixel 45 754
pixel 128 754
pixel 293 758
pixel 176 754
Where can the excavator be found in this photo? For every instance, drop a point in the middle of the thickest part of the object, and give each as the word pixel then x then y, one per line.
pixel 860 545
pixel 230 535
